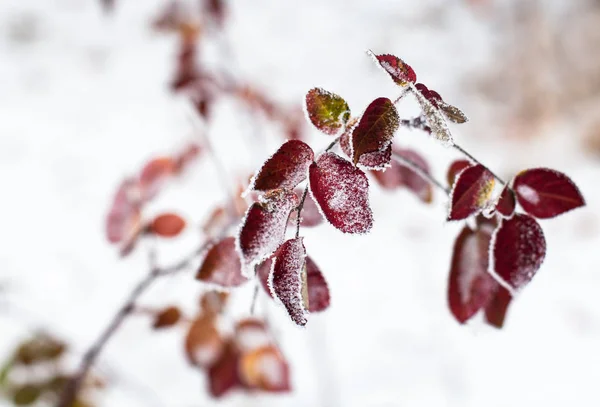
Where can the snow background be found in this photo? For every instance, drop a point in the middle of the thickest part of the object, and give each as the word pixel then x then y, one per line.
pixel 84 102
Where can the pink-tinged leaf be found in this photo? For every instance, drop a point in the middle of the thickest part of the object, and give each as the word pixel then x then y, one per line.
pixel 318 290
pixel 507 203
pixel 495 311
pixel 470 286
pixel 222 265
pixel 265 369
pixel 185 157
pixel 375 129
pixel 432 96
pixel 154 175
pixel 399 175
pixel 545 193
pixel 471 192
pixel 263 273
pixel 456 168
pixel 124 217
pixel 452 113
pixel 377 160
pixel 263 228
pixel 518 250
pixel 286 168
pixel 342 192
pixel 251 334
pixel 223 374
pixel 288 279
pixel 326 110
pixel 400 72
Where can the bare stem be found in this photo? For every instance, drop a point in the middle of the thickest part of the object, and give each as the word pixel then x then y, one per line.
pixel 254 295
pixel 421 171
pixel 476 161
pixel 299 211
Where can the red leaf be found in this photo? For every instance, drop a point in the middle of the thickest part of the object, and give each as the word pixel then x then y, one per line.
pixel 263 228
pixel 376 160
pixel 375 129
pixel 223 374
pixel 399 175
pixel 154 175
pixel 342 192
pixel 545 193
pixel 470 192
pixel 265 369
pixel 327 111
pixel 222 265
pixel 318 290
pixel 399 71
pixel 470 286
pixel 263 273
pixel 506 203
pixel 456 168
pixel 495 311
pixel 288 279
pixel 166 318
pixel 167 225
pixel 286 168
pixel 518 249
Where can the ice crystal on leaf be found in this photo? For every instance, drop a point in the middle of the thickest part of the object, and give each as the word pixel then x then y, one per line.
pixel 471 192
pixel 263 228
pixel 342 192
pixel 377 160
pixel 222 265
pixel 286 168
pixel 400 72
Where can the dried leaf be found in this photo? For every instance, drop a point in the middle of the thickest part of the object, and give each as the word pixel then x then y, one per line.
pixel 342 192
pixel 452 113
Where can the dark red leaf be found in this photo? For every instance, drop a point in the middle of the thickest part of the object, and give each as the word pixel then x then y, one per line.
pixel 376 160
pixel 288 279
pixel 506 203
pixel 518 249
pixel 327 111
pixel 399 71
pixel 545 193
pixel 223 374
pixel 286 168
pixel 167 225
pixel 470 286
pixel 263 228
pixel 399 175
pixel 263 273
pixel 166 318
pixel 455 168
pixel 318 290
pixel 495 311
pixel 222 265
pixel 375 129
pixel 470 192
pixel 342 192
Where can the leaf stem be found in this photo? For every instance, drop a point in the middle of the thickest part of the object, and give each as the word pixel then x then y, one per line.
pixel 420 171
pixel 476 161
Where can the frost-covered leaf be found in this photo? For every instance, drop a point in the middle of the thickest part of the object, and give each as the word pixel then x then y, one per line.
pixel 263 273
pixel 471 192
pixel 376 160
pixel 311 215
pixel 518 250
pixel 376 128
pixel 452 113
pixel 507 203
pixel 326 110
pixel 222 265
pixel 470 286
pixel 288 279
pixel 286 168
pixel 399 175
pixel 265 369
pixel 154 175
pixel 432 96
pixel 166 318
pixel 455 168
pixel 400 72
pixel 203 343
pixel 342 192
pixel 495 311
pixel 263 228
pixel 167 225
pixel 435 120
pixel 223 373
pixel 545 193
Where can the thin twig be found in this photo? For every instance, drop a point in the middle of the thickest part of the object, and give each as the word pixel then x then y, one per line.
pixel 420 171
pixel 299 211
pixel 476 161
pixel 254 295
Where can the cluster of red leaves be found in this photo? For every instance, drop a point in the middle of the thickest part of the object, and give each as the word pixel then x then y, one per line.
pixel 247 360
pixel 124 223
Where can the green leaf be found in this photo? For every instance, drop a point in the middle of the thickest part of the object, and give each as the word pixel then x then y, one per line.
pixel 327 111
